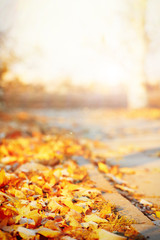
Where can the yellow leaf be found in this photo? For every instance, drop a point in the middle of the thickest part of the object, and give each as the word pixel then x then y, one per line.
pixel 38 190
pixel 72 187
pixel 4 151
pixel 35 216
pixel 48 232
pixel 94 218
pixel 53 206
pixel 69 204
pixel 17 193
pixel 91 193
pixel 23 212
pixel 73 217
pixel 8 210
pixel 103 168
pixel 90 224
pixel 53 181
pixel 103 235
pixel 106 209
pixel 74 223
pixel 158 214
pixel 51 225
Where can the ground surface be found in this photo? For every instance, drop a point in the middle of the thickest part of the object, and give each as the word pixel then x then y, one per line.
pixel 135 136
pixel 103 139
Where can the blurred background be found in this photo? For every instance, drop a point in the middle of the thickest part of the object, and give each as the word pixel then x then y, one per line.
pixel 73 54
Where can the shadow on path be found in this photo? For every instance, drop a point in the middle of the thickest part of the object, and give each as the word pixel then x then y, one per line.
pixel 138 159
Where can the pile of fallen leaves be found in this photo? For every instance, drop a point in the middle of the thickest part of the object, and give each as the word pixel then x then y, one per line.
pixel 44 194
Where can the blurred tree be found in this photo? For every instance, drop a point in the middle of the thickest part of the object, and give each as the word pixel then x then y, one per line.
pixel 3 70
pixel 7 58
pixel 136 90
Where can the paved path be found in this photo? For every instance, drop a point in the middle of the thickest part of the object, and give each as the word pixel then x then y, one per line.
pixel 116 131
pixel 142 135
pixel 140 222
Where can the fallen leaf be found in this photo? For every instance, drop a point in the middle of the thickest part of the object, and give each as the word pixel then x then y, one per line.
pixel 103 167
pixel 158 214
pixel 3 178
pixel 90 223
pixel 53 206
pixel 94 218
pixel 51 225
pixel 46 232
pixel 35 216
pixel 26 233
pixel 69 204
pixel 105 235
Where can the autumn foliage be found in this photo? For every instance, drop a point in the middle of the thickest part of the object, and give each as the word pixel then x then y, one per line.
pixel 45 194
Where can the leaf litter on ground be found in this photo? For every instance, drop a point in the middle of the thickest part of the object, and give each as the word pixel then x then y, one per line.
pixel 44 194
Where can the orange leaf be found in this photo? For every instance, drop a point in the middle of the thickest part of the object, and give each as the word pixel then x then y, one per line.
pixel 5 236
pixel 3 178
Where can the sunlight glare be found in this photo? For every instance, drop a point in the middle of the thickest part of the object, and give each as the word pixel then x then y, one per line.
pixel 78 39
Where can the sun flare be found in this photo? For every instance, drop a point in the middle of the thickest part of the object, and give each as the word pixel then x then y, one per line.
pixel 101 42
pixel 75 39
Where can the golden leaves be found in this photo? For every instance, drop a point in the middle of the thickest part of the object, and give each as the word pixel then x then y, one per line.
pixel 27 234
pixel 54 205
pixel 45 194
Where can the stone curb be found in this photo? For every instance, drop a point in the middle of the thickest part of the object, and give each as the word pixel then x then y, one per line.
pixel 141 223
